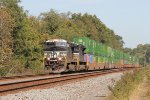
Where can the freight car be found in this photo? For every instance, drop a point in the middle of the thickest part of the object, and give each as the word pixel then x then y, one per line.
pixel 84 54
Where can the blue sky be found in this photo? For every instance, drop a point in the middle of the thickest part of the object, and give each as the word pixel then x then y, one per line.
pixel 128 18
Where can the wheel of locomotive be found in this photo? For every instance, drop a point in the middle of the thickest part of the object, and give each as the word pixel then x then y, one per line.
pixel 104 67
pixel 94 68
pixel 86 67
pixel 66 68
pixel 72 67
pixel 75 67
pixel 49 68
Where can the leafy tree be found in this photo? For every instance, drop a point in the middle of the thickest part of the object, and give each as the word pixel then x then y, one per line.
pixel 52 21
pixel 142 51
pixel 19 18
pixel 25 37
pixel 147 56
pixel 96 30
pixel 68 26
pixel 32 52
pixel 6 26
pixel 26 46
pixel 128 50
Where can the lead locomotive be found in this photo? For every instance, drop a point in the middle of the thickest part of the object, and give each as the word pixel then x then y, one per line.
pixel 62 55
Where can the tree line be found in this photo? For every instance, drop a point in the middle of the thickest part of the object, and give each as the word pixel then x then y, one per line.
pixel 22 36
pixel 142 51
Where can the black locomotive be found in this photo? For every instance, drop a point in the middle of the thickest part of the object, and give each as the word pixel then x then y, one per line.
pixel 62 55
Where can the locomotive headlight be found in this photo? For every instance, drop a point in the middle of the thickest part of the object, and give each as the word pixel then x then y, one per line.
pixel 48 58
pixel 59 58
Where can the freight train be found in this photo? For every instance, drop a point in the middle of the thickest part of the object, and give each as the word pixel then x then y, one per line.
pixel 84 54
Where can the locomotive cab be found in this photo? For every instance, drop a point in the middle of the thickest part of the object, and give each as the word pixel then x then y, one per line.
pixel 55 53
pixel 78 52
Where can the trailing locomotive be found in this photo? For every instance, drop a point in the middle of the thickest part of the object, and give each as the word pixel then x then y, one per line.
pixel 84 54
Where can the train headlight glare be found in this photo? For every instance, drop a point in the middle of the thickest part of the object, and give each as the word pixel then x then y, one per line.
pixel 59 58
pixel 48 58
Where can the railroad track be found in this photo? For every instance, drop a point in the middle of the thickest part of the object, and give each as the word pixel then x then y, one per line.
pixel 20 77
pixel 45 82
pixel 26 76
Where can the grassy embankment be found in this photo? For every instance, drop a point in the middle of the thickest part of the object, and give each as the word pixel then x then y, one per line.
pixel 148 84
pixel 129 83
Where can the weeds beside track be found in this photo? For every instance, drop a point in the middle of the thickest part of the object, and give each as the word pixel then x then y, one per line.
pixel 125 88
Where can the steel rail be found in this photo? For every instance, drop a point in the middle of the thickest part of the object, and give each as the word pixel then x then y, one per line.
pixel 12 87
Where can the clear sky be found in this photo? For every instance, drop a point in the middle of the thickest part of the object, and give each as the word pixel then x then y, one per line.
pixel 128 18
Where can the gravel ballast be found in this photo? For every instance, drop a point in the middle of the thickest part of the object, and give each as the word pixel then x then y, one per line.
pixel 90 89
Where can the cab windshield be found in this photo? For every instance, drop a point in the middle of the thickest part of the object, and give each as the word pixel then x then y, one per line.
pixel 61 43
pixel 56 44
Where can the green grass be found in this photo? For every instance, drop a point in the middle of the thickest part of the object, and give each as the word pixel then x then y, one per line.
pixel 128 83
pixel 148 82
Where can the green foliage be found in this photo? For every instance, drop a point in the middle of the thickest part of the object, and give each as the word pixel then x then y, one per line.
pixel 27 46
pixel 3 71
pixel 124 87
pixel 28 32
pixel 142 51
pixel 148 82
pixel 68 26
pixel 6 25
pixel 147 56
